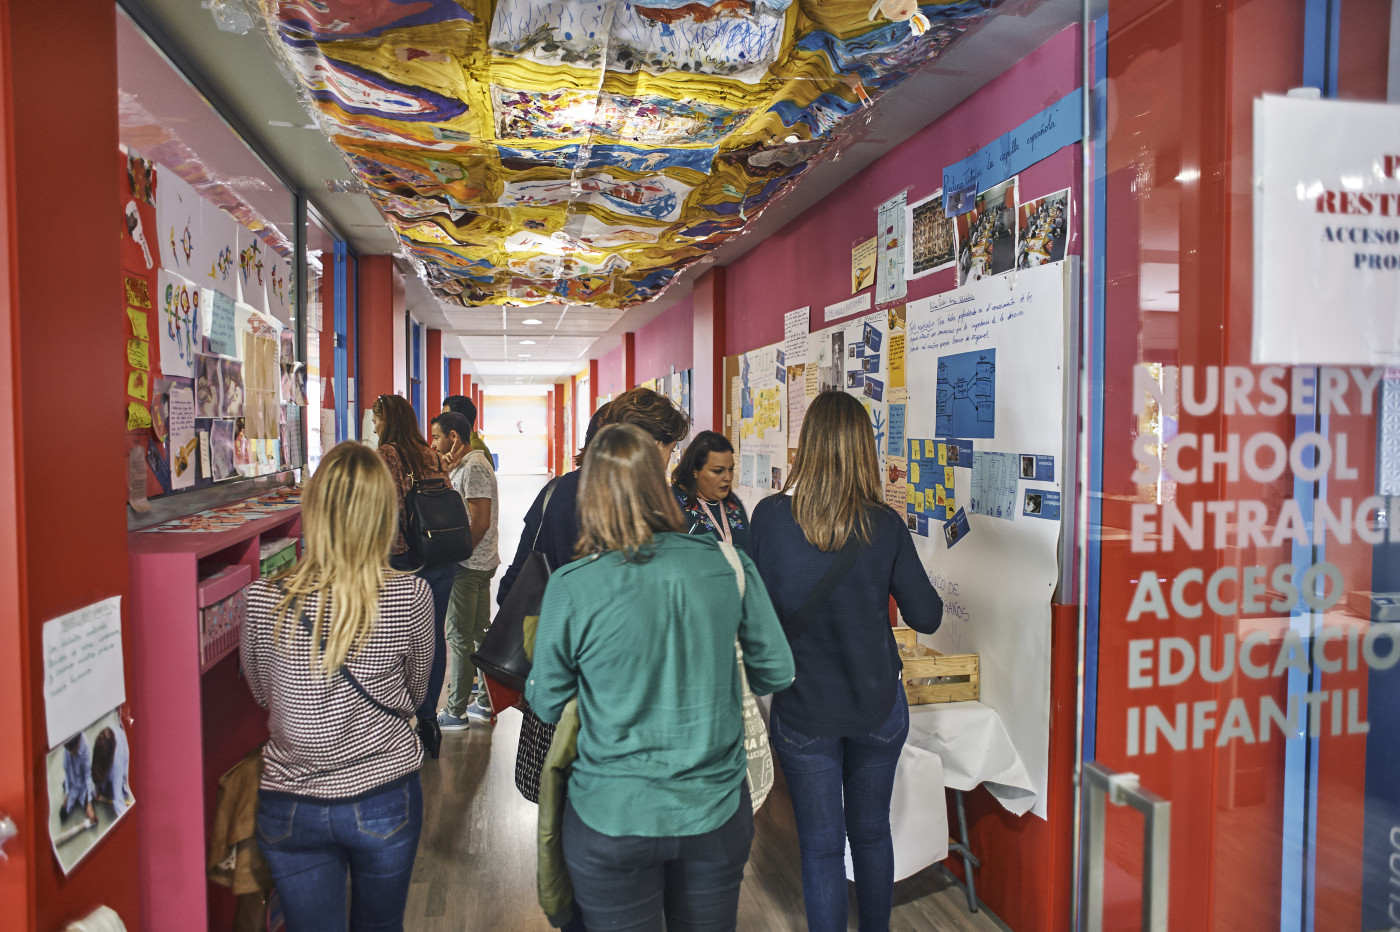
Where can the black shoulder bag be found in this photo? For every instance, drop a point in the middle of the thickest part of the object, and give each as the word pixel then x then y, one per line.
pixel 436 526
pixel 502 654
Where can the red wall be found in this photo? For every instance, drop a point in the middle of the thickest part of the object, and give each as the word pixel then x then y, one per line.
pixel 667 342
pixel 610 375
pixel 808 262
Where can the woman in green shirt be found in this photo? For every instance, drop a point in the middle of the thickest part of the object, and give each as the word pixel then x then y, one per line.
pixel 704 487
pixel 642 627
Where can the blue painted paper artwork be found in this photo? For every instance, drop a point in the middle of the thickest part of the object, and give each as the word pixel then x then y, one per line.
pixel 967 395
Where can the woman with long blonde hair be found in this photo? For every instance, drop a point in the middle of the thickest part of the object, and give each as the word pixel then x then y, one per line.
pixel 831 553
pixel 338 651
pixel 658 820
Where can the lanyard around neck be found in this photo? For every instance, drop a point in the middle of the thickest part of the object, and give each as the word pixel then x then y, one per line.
pixel 721 523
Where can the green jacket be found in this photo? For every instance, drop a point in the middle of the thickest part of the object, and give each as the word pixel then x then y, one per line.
pixel 556 891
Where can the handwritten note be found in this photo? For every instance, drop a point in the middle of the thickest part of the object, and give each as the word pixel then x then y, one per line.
pixel 138 354
pixel 960 320
pixel 138 323
pixel 897 360
pixel 223 337
pixel 848 307
pixel 83 676
pixel 895 443
pixel 795 326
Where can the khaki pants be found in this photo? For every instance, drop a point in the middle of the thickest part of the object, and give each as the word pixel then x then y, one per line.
pixel 468 617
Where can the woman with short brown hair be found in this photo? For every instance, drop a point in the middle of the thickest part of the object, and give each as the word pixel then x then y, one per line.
pixel 831 553
pixel 658 819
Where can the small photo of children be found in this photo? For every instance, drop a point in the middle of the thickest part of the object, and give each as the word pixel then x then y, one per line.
pixel 89 788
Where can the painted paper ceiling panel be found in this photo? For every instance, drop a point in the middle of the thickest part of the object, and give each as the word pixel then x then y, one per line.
pixel 560 151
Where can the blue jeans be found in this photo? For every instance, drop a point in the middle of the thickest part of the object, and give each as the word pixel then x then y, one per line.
pixel 439 580
pixel 824 773
pixel 311 847
pixel 628 883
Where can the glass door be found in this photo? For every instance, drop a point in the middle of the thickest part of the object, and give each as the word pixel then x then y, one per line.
pixel 1240 648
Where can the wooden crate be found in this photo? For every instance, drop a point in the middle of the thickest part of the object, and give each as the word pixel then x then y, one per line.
pixel 958 673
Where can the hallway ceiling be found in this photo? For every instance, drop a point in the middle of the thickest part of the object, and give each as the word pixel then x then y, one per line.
pixel 526 172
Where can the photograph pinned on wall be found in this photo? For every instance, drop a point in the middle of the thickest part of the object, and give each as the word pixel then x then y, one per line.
pixel 231 394
pixel 221 456
pixel 242 449
pixel 933 237
pixel 293 383
pixel 89 788
pixel 207 385
pixel 987 234
pixel 1043 230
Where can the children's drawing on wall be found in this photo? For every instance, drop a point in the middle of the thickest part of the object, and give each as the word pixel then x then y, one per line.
pixel 863 264
pixel 987 234
pixel 178 324
pixel 933 238
pixel 89 788
pixel 1043 230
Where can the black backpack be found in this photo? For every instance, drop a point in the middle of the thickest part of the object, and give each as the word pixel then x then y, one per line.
pixel 436 526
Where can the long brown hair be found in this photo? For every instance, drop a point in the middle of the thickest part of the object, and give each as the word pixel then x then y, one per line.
pixel 349 515
pixel 401 431
pixel 836 476
pixel 623 501
pixel 652 412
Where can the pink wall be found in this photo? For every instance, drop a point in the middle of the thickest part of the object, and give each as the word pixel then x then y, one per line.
pixel 667 342
pixel 610 374
pixel 808 261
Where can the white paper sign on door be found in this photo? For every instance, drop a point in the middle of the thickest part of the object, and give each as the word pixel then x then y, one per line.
pixel 1326 232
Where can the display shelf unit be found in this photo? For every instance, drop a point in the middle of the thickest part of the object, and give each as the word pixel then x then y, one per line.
pixel 198 719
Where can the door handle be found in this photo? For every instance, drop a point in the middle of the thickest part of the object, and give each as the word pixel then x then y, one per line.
pixel 8 830
pixel 1096 784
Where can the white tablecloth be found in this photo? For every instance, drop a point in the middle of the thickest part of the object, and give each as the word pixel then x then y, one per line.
pixel 975 748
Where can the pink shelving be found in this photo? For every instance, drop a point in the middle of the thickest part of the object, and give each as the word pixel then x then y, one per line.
pixel 200 718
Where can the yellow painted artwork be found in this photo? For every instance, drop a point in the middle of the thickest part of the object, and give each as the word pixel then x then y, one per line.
pixel 943 454
pixel 913 494
pixel 138 354
pixel 948 476
pixel 137 292
pixel 930 450
pixel 914 472
pixel 138 323
pixel 919 504
pixel 138 384
pixel 863 265
pixel 137 416
pixel 941 498
pixel 931 497
pixel 951 509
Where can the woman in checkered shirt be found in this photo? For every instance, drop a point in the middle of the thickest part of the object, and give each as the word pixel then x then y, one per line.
pixel 338 651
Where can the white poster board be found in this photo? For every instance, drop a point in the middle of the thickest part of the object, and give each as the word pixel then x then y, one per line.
pixel 762 417
pixel 987 361
pixel 1326 232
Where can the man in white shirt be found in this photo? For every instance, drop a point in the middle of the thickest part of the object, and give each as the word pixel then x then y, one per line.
pixel 469 610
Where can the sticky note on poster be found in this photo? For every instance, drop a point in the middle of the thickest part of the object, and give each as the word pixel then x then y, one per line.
pixel 139 328
pixel 137 416
pixel 1037 467
pixel 138 354
pixel 1041 503
pixel 82 668
pixel 223 337
pixel 956 529
pixel 138 384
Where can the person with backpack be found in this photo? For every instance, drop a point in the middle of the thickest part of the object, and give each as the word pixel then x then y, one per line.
pixel 410 459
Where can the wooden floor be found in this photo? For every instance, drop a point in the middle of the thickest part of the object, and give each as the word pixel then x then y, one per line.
pixel 476 862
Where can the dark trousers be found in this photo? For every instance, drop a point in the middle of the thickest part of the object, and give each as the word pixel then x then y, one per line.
pixel 841 789
pixel 439 580
pixel 312 846
pixel 629 883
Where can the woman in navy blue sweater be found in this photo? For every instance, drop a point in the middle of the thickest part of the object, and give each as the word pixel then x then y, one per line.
pixel 839 728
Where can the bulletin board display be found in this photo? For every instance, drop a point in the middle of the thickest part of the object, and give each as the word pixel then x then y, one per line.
pixel 966 393
pixel 212 387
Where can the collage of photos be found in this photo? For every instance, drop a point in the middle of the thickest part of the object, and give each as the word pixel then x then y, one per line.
pixel 986 234
pixel 933 238
pixel 1043 223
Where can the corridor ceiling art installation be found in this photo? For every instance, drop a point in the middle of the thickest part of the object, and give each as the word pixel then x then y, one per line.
pixel 533 151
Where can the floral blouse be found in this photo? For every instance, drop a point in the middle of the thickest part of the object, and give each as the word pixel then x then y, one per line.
pixel 698 520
